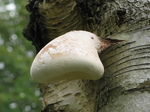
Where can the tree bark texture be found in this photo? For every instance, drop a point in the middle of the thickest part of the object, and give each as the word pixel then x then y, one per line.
pixel 125 86
pixel 126 83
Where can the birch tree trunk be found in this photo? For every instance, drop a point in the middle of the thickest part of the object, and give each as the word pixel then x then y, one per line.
pixel 125 86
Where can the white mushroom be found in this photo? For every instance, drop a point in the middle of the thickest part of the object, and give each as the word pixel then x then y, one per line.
pixel 73 55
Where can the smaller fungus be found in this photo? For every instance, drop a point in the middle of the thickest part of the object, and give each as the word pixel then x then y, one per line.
pixel 71 56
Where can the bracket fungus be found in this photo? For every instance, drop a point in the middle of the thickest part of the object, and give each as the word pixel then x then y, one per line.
pixel 73 55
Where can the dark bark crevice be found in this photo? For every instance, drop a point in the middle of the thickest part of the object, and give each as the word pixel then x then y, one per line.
pixel 35 31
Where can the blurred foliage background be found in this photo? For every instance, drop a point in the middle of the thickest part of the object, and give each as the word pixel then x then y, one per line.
pixel 18 93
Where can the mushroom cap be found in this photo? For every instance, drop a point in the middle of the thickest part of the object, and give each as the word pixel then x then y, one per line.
pixel 68 57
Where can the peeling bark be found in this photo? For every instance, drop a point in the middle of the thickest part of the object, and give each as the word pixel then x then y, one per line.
pixel 125 85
